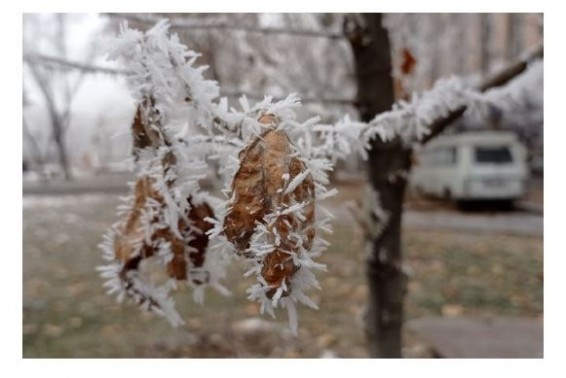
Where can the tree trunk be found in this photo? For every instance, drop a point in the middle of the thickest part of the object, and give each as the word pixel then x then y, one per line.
pixel 485 43
pixel 59 121
pixel 389 165
pixel 59 138
pixel 514 35
pixel 36 152
pixel 460 43
pixel 370 44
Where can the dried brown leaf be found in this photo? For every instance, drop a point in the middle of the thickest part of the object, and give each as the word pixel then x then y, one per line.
pixel 267 164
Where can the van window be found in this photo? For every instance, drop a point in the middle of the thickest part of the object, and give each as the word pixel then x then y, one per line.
pixel 494 155
pixel 449 157
pixel 440 157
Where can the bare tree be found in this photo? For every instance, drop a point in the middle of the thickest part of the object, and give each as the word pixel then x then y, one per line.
pixel 36 155
pixel 370 45
pixel 485 42
pixel 458 42
pixel 514 43
pixel 389 165
pixel 57 88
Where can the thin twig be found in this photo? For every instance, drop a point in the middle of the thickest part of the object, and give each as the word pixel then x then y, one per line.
pixel 183 25
pixel 60 63
pixel 64 64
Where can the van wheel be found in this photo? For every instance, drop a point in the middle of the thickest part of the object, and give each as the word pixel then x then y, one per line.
pixel 446 195
pixel 507 205
pixel 464 205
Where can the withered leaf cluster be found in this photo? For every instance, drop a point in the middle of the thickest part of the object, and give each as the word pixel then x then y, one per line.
pixel 131 233
pixel 267 166
pixel 188 243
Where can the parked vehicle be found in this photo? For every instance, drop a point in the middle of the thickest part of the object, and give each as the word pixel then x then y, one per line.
pixel 479 165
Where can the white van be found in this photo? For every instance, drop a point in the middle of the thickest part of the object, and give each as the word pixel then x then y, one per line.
pixel 479 165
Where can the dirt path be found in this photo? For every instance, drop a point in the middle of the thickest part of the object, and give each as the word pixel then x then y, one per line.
pixel 517 223
pixel 514 223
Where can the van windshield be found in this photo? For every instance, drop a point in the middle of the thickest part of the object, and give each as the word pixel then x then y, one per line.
pixel 494 155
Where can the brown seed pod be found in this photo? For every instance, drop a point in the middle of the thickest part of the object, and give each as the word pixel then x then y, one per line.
pixel 177 267
pixel 146 133
pixel 130 234
pixel 248 205
pixel 278 265
pixel 198 240
pixel 197 216
pixel 130 247
pixel 143 134
pixel 130 243
pixel 263 162
pixel 304 192
pixel 267 166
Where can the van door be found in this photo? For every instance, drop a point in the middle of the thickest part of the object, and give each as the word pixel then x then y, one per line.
pixel 497 172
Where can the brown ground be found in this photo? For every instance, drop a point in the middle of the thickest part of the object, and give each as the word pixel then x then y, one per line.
pixel 67 314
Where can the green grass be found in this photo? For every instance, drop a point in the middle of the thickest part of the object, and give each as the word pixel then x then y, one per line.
pixel 481 274
pixel 67 314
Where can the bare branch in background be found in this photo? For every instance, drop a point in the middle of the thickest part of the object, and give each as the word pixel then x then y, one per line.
pixel 515 34
pixel 65 64
pixel 485 45
pixel 150 20
pixel 57 91
pixel 58 123
pixel 36 155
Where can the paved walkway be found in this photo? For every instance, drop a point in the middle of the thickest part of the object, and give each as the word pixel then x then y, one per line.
pixel 513 222
pixel 116 183
pixel 516 222
pixel 489 337
pixel 520 222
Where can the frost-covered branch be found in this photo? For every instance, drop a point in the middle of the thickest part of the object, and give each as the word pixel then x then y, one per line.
pixel 304 99
pixel 275 169
pixel 179 121
pixel 165 217
pixel 517 93
pixel 425 115
pixel 499 79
